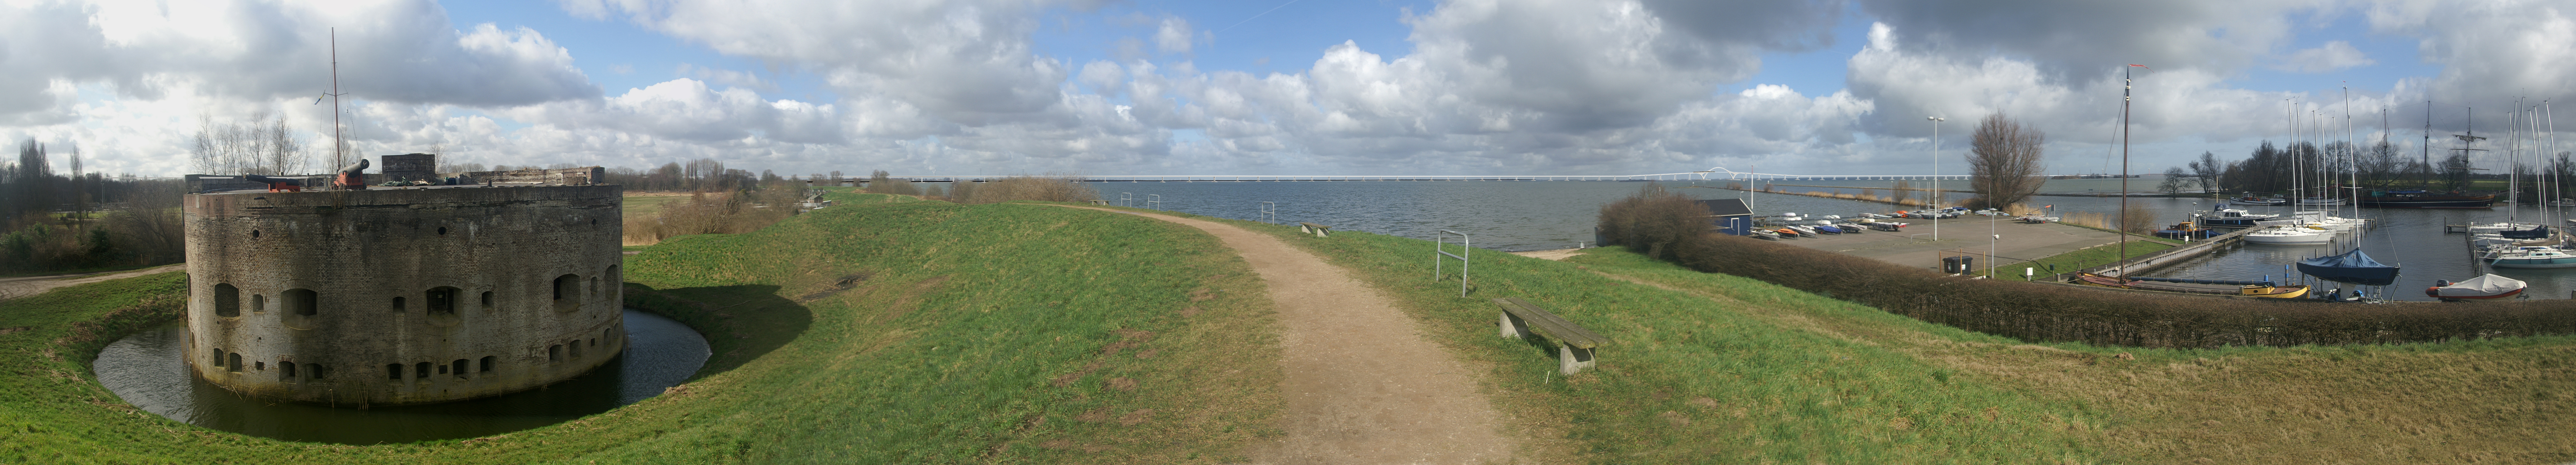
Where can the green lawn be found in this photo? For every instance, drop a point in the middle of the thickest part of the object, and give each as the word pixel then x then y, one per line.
pixel 1102 338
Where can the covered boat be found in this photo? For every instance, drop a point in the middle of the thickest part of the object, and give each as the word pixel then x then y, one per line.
pixel 2350 267
pixel 2535 232
pixel 2488 286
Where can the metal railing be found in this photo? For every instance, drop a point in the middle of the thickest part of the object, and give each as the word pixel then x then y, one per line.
pixel 1154 201
pixel 1269 212
pixel 1466 248
pixel 1126 199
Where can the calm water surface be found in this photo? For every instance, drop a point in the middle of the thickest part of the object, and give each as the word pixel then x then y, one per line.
pixel 145 369
pixel 1534 215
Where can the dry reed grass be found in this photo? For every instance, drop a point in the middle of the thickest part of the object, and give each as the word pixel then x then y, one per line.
pixel 711 213
pixel 1048 188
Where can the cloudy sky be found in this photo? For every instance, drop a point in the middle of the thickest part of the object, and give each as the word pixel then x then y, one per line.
pixel 1272 87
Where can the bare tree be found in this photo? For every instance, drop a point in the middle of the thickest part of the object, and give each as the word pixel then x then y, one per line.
pixel 261 146
pixel 2206 170
pixel 2003 161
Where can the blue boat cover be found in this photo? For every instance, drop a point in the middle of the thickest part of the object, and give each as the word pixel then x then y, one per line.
pixel 2350 267
pixel 2535 232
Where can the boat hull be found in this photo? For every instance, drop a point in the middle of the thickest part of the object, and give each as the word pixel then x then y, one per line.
pixel 2310 239
pixel 2534 263
pixel 2436 292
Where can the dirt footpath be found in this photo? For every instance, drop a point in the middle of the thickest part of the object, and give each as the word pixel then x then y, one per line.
pixel 11 288
pixel 1362 385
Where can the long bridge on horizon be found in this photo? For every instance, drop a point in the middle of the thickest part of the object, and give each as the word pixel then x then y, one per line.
pixel 1715 174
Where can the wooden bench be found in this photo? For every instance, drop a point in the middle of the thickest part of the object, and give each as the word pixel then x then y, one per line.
pixel 1100 202
pixel 1574 345
pixel 1311 228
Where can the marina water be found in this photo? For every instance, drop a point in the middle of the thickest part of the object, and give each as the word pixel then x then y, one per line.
pixel 1537 215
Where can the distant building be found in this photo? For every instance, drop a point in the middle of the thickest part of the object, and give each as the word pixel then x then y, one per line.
pixel 1730 216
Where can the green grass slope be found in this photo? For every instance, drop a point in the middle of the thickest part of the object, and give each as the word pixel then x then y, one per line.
pixel 1695 380
pixel 1712 368
pixel 872 332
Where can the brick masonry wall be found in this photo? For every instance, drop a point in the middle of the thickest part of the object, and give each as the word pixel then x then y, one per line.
pixel 359 250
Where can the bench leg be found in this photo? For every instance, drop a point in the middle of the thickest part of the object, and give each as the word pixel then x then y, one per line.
pixel 1570 360
pixel 1303 229
pixel 1512 327
pixel 1319 233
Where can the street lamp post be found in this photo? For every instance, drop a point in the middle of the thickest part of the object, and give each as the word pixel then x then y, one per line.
pixel 1934 197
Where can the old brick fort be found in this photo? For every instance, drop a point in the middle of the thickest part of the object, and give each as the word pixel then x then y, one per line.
pixel 486 284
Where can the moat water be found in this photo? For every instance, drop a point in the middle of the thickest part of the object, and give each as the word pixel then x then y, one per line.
pixel 146 369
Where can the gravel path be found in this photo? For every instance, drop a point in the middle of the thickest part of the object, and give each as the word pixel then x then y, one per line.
pixel 1363 387
pixel 11 288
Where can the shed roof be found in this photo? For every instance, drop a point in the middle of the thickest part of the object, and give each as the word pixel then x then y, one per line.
pixel 1726 207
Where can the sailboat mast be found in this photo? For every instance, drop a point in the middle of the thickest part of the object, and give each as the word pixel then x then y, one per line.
pixel 2124 165
pixel 339 145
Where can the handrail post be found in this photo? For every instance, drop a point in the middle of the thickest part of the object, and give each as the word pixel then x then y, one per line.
pixel 1466 248
pixel 1269 212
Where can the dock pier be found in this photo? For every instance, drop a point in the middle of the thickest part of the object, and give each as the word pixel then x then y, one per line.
pixel 2166 257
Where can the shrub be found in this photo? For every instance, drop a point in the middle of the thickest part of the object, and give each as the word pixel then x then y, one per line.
pixel 1050 188
pixel 1653 221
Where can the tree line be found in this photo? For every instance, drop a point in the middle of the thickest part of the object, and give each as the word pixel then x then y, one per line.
pixel 53 221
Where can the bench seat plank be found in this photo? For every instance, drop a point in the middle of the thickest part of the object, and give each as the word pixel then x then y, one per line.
pixel 1550 325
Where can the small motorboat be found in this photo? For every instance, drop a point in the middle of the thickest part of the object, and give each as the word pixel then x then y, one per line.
pixel 2186 230
pixel 1766 234
pixel 2234 217
pixel 1804 231
pixel 2036 219
pixel 2286 235
pixel 1877 216
pixel 2484 287
pixel 1888 226
pixel 1852 228
pixel 2273 292
pixel 2252 200
pixel 1787 233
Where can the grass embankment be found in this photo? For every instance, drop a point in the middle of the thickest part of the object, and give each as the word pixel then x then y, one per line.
pixel 909 332
pixel 1695 380
pixel 2489 401
pixel 1719 368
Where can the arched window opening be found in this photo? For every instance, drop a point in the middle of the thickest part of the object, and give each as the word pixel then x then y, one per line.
pixel 301 302
pixel 235 366
pixel 227 300
pixel 609 334
pixel 594 287
pixel 259 303
pixel 285 371
pixel 460 367
pixel 567 293
pixel 259 366
pixel 420 370
pixel 218 359
pixel 441 301
pixel 487 364
pixel 314 370
pixel 398 304
pixel 487 300
pixel 393 371
pixel 576 348
pixel 563 287
pixel 554 353
pixel 614 279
